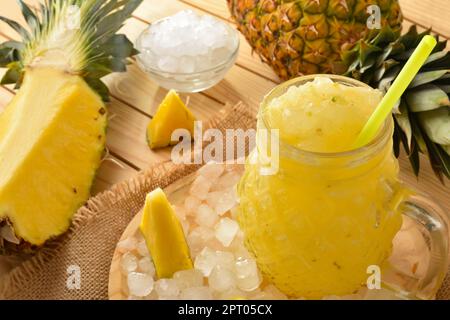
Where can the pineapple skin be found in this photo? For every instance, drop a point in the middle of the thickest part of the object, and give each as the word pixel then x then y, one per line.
pixel 300 37
pixel 52 140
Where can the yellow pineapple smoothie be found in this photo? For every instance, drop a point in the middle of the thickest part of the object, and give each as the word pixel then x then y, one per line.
pixel 329 212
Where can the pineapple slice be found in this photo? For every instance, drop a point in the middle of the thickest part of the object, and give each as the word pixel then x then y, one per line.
pixel 51 143
pixel 172 114
pixel 164 236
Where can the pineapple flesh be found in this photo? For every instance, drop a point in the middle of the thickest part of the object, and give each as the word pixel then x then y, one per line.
pixel 298 37
pixel 164 235
pixel 171 115
pixel 49 153
pixel 52 133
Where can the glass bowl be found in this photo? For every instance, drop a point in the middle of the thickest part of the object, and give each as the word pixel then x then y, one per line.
pixel 188 82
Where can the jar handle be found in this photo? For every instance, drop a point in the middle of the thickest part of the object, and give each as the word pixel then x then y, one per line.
pixel 434 220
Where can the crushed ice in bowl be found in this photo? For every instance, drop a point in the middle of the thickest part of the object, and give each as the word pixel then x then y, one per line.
pixel 187 43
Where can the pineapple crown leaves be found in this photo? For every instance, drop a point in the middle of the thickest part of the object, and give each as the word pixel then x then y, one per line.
pixel 78 36
pixel 422 116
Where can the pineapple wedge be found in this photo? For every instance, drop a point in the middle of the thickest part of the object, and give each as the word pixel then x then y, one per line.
pixel 51 142
pixel 172 114
pixel 164 236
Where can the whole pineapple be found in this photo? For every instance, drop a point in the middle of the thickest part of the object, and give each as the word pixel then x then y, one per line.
pixel 52 133
pixel 298 37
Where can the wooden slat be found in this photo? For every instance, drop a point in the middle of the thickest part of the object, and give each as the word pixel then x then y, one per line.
pixel 126 136
pixel 429 13
pixel 112 171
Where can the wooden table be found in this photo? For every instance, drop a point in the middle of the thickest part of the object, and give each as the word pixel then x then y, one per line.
pixel 135 97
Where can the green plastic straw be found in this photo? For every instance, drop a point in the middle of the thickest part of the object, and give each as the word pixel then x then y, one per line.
pixel 404 79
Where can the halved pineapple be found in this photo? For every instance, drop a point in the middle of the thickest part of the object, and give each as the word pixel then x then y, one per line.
pixel 52 134
pixel 50 152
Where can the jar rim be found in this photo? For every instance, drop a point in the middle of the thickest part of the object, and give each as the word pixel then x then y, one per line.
pixel 378 142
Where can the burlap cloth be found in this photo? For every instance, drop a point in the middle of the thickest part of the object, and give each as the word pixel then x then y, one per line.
pixel 96 229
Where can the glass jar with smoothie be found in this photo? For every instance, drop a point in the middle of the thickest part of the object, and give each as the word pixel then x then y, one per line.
pixel 329 212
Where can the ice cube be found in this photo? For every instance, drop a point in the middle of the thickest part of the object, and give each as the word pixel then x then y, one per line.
pixel 225 260
pixel 168 64
pixel 200 187
pixel 188 278
pixel 220 54
pixel 198 238
pixel 128 244
pixel 152 296
pixel 205 234
pixel 146 266
pixel 248 278
pixel 205 261
pixel 196 293
pixel 226 230
pixel 191 205
pixel 140 284
pixel 382 294
pixel 186 226
pixel 213 198
pixel 225 203
pixel 227 181
pixel 187 64
pixel 142 249
pixel 240 251
pixel 180 212
pixel 167 289
pixel 211 170
pixel 233 294
pixel 206 216
pixel 202 62
pixel 128 263
pixel 184 18
pixel 222 279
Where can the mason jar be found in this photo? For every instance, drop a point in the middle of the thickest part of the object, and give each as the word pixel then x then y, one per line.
pixel 321 221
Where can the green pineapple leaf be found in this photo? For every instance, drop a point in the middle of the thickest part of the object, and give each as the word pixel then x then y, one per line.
pixel 16 27
pixel 29 15
pixel 91 48
pixel 426 97
pixel 427 77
